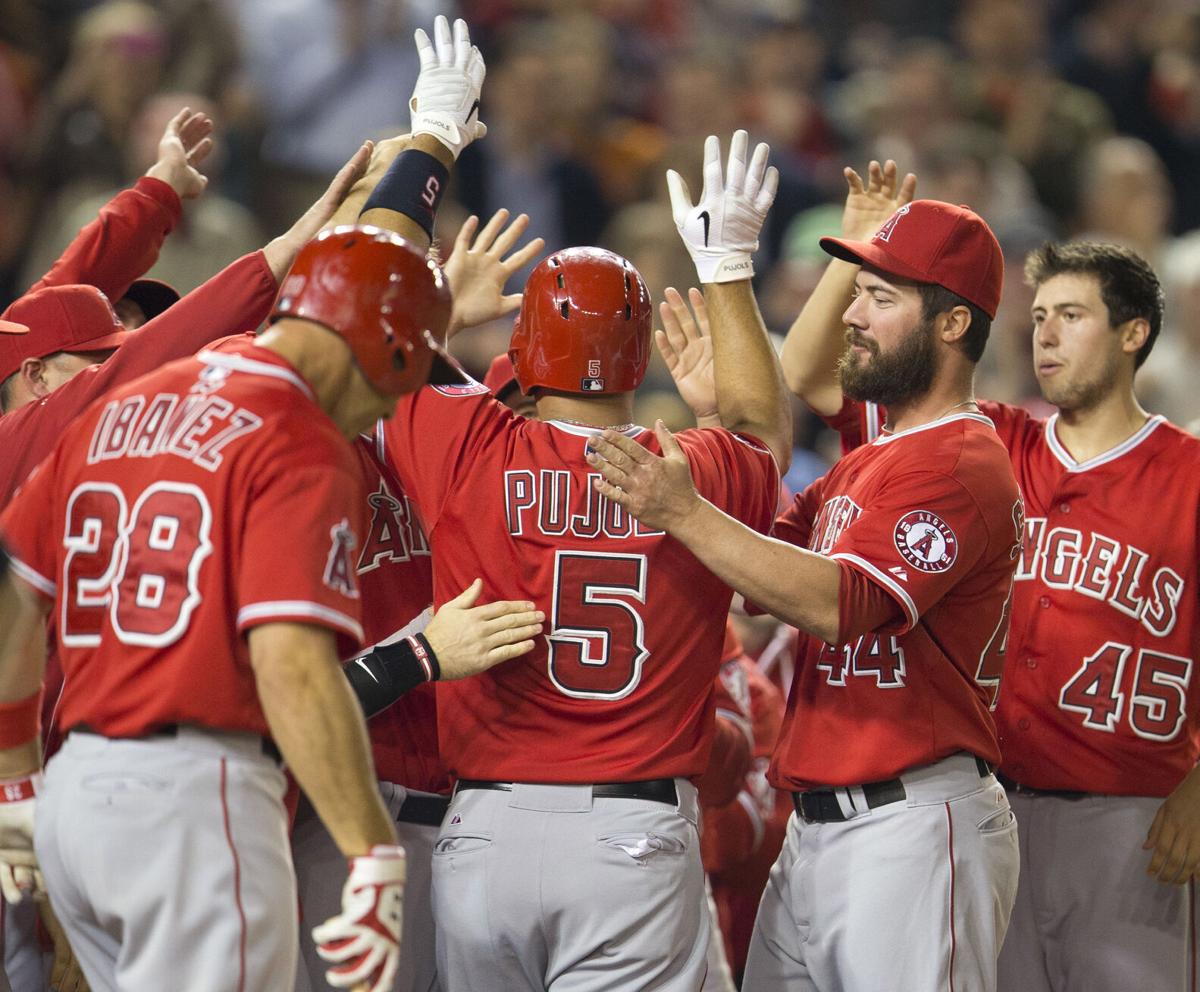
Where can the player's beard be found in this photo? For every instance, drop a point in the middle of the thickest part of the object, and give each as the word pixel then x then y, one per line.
pixel 889 378
pixel 1084 395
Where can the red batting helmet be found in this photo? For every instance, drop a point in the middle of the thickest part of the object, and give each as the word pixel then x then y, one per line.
pixel 383 297
pixel 584 325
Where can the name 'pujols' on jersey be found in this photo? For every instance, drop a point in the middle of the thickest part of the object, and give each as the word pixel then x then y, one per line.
pixel 555 503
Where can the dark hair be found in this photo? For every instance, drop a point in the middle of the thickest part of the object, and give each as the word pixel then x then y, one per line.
pixel 937 299
pixel 1128 285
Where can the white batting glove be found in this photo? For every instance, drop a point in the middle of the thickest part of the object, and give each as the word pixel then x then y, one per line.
pixel 363 941
pixel 445 101
pixel 20 877
pixel 721 231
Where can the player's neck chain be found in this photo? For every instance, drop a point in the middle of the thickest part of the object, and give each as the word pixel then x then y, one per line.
pixel 966 404
pixel 619 428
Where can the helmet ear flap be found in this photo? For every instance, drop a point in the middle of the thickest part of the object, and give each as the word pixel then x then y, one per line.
pixel 382 296
pixel 584 325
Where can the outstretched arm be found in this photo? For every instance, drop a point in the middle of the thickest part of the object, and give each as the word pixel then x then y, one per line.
pixel 721 234
pixel 814 343
pixel 123 242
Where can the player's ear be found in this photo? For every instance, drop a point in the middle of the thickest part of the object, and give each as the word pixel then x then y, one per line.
pixel 953 324
pixel 1134 333
pixel 32 375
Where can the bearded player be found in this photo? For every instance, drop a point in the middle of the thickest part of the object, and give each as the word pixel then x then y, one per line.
pixel 574 769
pixel 1099 726
pixel 900 863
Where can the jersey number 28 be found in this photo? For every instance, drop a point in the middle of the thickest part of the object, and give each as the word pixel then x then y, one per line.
pixel 139 565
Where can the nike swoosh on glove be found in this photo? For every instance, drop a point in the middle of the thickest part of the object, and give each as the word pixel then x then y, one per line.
pixel 19 874
pixel 721 231
pixel 363 941
pixel 445 101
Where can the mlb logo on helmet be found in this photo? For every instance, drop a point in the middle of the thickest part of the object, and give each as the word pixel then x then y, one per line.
pixel 593 383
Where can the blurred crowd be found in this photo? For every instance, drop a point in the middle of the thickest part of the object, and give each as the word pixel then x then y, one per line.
pixel 1052 118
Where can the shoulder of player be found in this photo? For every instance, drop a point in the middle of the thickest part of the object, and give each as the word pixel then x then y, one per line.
pixel 708 439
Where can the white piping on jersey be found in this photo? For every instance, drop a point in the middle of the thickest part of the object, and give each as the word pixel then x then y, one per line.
pixel 1123 448
pixel 239 363
pixel 884 438
pixel 582 430
pixel 34 578
pixel 290 608
pixel 905 599
pixel 873 425
pixel 739 721
pixel 756 821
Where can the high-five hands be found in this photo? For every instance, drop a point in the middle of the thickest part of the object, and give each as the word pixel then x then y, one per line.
pixel 445 101
pixel 870 203
pixel 721 231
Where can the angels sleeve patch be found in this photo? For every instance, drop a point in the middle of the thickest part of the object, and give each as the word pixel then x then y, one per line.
pixel 339 567
pixel 926 541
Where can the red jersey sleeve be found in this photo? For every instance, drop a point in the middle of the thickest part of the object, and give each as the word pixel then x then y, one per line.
pixel 795 524
pixel 25 526
pixel 735 472
pixel 122 243
pixel 917 540
pixel 430 439
pixel 297 556
pixel 1011 422
pixel 856 423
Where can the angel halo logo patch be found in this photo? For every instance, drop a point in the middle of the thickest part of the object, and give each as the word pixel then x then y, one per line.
pixel 926 541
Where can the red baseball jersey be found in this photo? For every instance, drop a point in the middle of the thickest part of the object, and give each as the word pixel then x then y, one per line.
pixel 933 516
pixel 179 511
pixel 621 688
pixel 395 576
pixel 1097 692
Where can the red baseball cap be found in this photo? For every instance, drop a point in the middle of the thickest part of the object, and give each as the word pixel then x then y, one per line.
pixel 500 376
pixel 59 318
pixel 933 242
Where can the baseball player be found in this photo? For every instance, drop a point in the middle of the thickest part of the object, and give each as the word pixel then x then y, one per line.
pixel 570 846
pixel 223 486
pixel 1098 726
pixel 898 566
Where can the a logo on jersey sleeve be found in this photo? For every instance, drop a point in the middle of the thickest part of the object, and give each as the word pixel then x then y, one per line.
pixel 339 566
pixel 926 541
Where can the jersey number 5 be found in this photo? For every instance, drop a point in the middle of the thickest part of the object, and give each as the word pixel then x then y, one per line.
pixel 597 641
pixel 140 565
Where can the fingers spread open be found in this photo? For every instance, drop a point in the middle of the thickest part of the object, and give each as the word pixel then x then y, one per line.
pixel 510 235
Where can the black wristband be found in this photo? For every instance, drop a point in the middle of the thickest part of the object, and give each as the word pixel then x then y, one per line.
pixel 3 561
pixel 413 186
pixel 381 677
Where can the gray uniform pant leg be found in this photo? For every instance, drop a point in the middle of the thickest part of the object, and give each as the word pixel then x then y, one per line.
pixel 546 889
pixel 166 860
pixel 914 895
pixel 1088 918
pixel 321 874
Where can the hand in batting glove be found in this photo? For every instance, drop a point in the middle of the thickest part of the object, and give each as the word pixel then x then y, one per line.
pixel 445 101
pixel 721 231
pixel 19 874
pixel 363 941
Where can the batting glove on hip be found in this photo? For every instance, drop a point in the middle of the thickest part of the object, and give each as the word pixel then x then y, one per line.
pixel 20 877
pixel 363 941
pixel 445 101
pixel 721 231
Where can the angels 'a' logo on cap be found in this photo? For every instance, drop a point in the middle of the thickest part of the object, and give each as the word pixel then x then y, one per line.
pixel 889 225
pixel 926 541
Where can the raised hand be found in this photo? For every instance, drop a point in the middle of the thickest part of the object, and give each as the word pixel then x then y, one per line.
pixel 721 231
pixel 686 347
pixel 445 100
pixel 185 143
pixel 871 203
pixel 477 269
pixel 281 252
pixel 469 639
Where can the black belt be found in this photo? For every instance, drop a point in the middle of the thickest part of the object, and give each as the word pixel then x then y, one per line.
pixel 1028 790
pixel 658 790
pixel 172 730
pixel 428 811
pixel 822 806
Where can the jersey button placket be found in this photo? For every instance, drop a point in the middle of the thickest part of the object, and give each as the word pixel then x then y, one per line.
pixel 1023 723
pixel 1044 602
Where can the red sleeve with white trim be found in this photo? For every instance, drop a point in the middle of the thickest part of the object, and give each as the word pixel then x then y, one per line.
pixel 916 540
pixel 25 526
pixel 298 553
